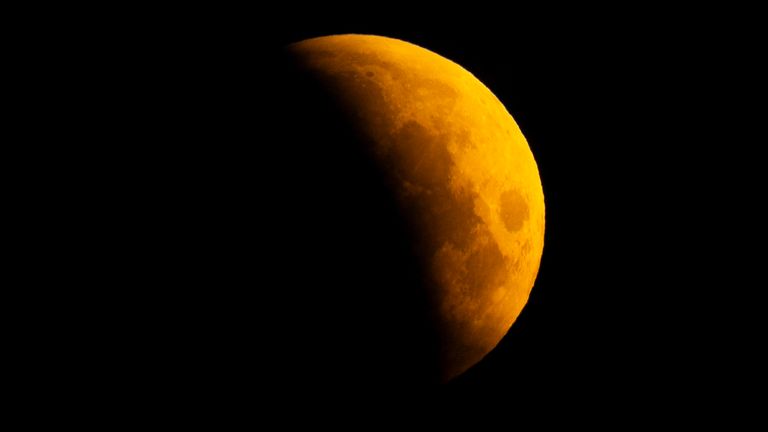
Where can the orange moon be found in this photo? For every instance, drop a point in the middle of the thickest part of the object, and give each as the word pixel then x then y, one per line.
pixel 461 168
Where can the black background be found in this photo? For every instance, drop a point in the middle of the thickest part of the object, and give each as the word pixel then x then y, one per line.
pixel 638 126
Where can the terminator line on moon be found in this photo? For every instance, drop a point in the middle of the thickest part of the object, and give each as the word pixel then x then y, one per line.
pixel 463 172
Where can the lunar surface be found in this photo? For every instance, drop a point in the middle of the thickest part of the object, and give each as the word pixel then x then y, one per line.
pixel 463 175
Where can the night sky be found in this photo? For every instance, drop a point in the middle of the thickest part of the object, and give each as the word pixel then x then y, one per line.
pixel 643 286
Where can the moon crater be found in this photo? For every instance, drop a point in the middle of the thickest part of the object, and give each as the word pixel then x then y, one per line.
pixel 513 210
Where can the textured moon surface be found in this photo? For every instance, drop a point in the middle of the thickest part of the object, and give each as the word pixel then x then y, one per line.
pixel 462 171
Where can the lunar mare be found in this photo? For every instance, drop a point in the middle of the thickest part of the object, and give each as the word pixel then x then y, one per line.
pixel 461 169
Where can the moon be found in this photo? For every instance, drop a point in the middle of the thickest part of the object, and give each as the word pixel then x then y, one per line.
pixel 463 176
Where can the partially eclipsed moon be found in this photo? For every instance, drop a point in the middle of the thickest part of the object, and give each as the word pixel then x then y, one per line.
pixel 461 170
